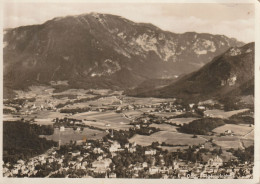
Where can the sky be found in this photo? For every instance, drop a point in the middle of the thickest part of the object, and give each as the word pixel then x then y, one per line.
pixel 232 20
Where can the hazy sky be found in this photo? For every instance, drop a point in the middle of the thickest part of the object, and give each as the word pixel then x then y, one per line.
pixel 233 20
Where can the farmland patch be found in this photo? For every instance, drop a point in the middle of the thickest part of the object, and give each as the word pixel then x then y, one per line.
pixel 236 129
pixel 172 138
pixel 71 135
pixel 216 113
pixel 164 127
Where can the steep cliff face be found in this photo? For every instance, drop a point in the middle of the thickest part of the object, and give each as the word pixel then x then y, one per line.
pixel 103 50
pixel 229 73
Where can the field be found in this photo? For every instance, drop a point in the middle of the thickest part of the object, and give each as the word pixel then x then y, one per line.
pixel 104 120
pixel 237 129
pixel 101 91
pixel 216 113
pixel 247 142
pixel 101 102
pixel 34 91
pixel 110 117
pixel 147 109
pixel 105 125
pixel 69 134
pixel 47 114
pixel 226 138
pixel 104 101
pixel 227 142
pixel 41 117
pixel 45 117
pixel 173 138
pixel 167 114
pixel 164 127
pixel 145 101
pixel 243 134
pixel 132 113
pixel 181 121
pixel 250 135
pixel 80 92
pixel 8 117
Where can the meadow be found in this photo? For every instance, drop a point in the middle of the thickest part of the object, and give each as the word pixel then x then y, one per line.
pixel 236 129
pixel 106 125
pixel 247 142
pixel 104 120
pixel 172 138
pixel 250 135
pixel 145 101
pixel 164 127
pixel 132 114
pixel 74 135
pixel 110 117
pixel 227 142
pixel 167 114
pixel 216 113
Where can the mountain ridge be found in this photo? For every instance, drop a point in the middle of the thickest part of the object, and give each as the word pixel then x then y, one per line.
pixel 102 47
pixel 231 73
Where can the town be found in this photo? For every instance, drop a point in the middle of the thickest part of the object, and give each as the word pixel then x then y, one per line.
pixel 123 137
pixel 110 159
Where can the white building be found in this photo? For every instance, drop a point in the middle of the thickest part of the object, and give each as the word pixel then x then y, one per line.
pixel 41 158
pixel 150 152
pixel 154 170
pixel 132 149
pixel 98 150
pixel 201 107
pixel 216 162
pixel 75 153
pixel 145 164
pixel 20 162
pixel 62 128
pixel 114 147
pixel 112 175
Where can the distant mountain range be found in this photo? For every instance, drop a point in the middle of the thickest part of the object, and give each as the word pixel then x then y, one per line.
pixel 229 74
pixel 107 51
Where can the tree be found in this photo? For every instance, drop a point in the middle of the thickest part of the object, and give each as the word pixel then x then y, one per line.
pixel 220 151
pixel 155 144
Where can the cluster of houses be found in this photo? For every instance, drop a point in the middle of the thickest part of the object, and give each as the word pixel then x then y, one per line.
pixel 28 167
pixel 103 156
pixel 77 161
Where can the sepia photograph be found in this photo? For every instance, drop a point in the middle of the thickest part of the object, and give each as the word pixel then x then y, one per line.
pixel 141 90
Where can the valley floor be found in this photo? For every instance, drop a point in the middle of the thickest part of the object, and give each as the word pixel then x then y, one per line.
pixel 97 128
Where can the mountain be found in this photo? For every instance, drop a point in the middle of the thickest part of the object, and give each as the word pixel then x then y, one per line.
pixel 103 51
pixel 229 74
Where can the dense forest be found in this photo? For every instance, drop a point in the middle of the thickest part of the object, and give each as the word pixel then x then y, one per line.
pixel 19 101
pixel 201 126
pixel 244 155
pixel 241 118
pixel 76 110
pixel 21 140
